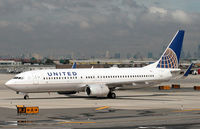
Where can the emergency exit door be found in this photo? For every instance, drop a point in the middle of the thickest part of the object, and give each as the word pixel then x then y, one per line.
pixel 35 79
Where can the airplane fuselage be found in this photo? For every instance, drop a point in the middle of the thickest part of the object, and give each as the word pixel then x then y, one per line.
pixel 77 79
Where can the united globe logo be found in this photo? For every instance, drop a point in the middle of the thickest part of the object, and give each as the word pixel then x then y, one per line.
pixel 168 60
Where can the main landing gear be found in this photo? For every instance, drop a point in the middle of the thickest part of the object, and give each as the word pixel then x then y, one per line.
pixel 111 95
pixel 26 97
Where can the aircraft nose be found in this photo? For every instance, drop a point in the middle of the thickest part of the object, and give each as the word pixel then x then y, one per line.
pixel 9 83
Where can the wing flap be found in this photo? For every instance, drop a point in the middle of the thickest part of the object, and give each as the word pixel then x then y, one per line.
pixel 131 83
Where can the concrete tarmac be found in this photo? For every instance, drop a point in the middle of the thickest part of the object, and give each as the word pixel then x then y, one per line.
pixel 147 108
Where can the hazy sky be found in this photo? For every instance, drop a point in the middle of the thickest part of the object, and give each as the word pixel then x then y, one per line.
pixel 92 27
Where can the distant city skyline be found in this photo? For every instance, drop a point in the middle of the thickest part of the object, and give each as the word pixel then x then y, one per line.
pixel 97 28
pixel 106 55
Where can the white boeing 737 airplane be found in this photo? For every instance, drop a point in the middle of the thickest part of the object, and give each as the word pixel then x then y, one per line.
pixel 100 82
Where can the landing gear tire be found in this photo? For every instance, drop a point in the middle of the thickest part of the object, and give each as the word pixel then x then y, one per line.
pixel 112 95
pixel 26 97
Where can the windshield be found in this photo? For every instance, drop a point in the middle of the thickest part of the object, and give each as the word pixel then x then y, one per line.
pixel 18 78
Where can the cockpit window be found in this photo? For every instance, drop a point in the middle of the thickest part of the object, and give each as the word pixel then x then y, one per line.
pixel 18 78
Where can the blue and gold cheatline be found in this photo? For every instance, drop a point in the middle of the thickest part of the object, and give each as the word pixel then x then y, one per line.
pixel 168 60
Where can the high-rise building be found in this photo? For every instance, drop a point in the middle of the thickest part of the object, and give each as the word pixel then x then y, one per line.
pixel 150 55
pixel 107 54
pixel 198 52
pixel 117 56
pixel 183 54
pixel 188 55
pixel 128 56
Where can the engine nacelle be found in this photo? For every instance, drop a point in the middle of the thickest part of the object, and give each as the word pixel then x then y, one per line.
pixel 97 90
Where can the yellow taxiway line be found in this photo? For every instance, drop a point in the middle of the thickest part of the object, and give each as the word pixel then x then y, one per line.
pixel 188 110
pixel 104 107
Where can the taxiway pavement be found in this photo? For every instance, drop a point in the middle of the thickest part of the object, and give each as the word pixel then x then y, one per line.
pixel 134 108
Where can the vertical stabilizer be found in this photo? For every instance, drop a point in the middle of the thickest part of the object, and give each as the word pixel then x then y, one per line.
pixel 170 57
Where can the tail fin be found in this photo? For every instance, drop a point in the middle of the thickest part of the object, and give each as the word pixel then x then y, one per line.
pixel 170 57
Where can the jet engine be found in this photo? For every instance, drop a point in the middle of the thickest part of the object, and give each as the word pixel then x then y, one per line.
pixel 99 90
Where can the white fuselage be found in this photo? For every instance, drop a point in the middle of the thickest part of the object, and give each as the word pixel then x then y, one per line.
pixel 77 79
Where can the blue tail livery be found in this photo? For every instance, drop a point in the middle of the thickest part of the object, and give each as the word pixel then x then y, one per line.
pixel 188 70
pixel 171 56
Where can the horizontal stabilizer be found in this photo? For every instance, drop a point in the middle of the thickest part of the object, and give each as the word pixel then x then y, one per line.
pixel 74 65
pixel 188 70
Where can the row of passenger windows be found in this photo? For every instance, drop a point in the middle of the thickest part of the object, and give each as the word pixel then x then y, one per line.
pixel 53 78
pixel 124 76
pixel 92 77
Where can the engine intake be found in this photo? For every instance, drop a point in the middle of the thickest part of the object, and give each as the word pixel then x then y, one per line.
pixel 97 90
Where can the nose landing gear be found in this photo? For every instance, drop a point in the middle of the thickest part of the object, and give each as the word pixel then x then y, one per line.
pixel 26 97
